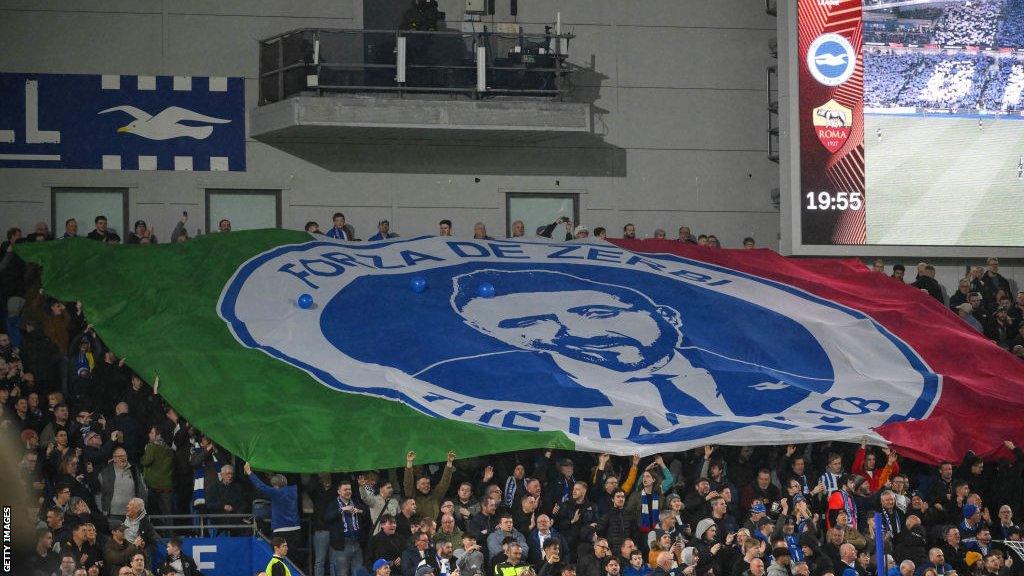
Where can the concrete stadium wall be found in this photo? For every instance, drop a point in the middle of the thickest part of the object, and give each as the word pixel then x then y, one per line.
pixel 677 87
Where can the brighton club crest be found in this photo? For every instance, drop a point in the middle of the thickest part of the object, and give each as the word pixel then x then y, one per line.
pixel 832 124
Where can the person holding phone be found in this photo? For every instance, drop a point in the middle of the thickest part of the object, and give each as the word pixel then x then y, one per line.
pixel 180 233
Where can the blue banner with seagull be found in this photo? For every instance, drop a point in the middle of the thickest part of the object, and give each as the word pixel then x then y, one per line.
pixel 117 122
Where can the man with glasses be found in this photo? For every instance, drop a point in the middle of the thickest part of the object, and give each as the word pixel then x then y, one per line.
pixel 119 482
pixel 593 564
pixel 419 554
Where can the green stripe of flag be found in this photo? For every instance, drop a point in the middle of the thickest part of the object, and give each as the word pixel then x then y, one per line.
pixel 156 306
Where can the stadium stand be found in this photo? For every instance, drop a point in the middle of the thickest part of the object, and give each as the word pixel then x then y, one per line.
pixel 102 451
pixel 971 23
pixel 963 82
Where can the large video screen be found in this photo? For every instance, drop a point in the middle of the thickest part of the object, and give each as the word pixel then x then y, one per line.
pixel 911 122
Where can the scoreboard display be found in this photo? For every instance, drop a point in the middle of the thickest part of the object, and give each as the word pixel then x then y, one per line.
pixel 907 124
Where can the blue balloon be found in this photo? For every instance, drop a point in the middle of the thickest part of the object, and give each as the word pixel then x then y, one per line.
pixel 486 290
pixel 305 301
pixel 418 284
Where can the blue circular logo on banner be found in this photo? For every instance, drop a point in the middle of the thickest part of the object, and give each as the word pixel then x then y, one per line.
pixel 831 59
pixel 615 349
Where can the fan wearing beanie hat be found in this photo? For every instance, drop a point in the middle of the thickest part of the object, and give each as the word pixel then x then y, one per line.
pixel 381 567
pixel 972 521
pixel 703 526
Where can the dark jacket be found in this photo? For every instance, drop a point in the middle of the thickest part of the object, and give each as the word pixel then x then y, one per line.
pixel 188 565
pixel 383 546
pixel 536 555
pixel 334 520
pixel 911 545
pixel 589 565
pixel 106 484
pixel 218 494
pixel 931 285
pixel 411 559
pixel 616 527
pixel 480 525
pixel 569 530
pixel 110 236
pixel 117 555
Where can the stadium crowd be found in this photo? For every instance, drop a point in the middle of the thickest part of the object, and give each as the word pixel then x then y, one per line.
pixel 102 452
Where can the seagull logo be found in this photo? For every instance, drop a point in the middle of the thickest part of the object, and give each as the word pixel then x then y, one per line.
pixel 172 122
pixel 830 59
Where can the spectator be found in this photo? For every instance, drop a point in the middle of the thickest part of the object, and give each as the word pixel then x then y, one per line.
pixel 518 229
pixel 629 232
pixel 118 551
pixel 41 233
pixel 180 563
pixel 581 232
pixel 685 235
pixel 964 312
pixel 539 540
pixel 141 234
pixel 480 232
pixel 898 271
pixel 340 230
pixel 383 231
pixel 418 556
pixel 138 566
pixel 284 521
pixel 428 502
pixel 157 469
pixel 119 482
pixel 380 500
pixel 224 496
pixel 276 565
pixel 344 519
pixel 548 231
pixel 960 296
pixel 659 234
pixel 180 233
pixel 504 530
pixel 78 547
pixel 102 233
pixel 386 544
pixel 749 243
pixel 600 232
pixel 224 225
pixel 70 228
pixel 313 228
pixel 926 281
pixel 44 560
pixel 444 228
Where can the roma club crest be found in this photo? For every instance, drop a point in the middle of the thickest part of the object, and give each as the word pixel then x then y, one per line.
pixel 832 124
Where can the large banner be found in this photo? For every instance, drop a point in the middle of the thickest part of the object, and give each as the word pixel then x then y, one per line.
pixel 434 344
pixel 831 114
pixel 116 122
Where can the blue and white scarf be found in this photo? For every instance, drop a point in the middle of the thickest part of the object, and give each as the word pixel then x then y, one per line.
pixel 648 511
pixel 350 521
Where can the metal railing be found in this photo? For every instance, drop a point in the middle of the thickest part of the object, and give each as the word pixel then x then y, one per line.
pixel 201 524
pixel 476 64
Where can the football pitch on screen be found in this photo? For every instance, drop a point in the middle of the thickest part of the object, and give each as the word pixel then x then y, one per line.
pixel 944 181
